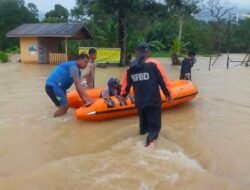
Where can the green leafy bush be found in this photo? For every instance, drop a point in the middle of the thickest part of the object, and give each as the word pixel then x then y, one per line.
pixel 13 50
pixel 4 57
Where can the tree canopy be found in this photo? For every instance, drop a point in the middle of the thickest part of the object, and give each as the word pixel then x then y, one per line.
pixel 59 15
pixel 125 23
pixel 12 14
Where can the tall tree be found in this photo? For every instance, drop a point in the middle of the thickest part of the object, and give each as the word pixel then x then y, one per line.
pixel 120 9
pixel 12 14
pixel 127 13
pixel 59 15
pixel 240 34
pixel 33 10
pixel 81 11
pixel 106 35
pixel 182 10
pixel 218 10
pixel 125 23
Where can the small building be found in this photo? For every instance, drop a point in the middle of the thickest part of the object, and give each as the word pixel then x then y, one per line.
pixel 39 43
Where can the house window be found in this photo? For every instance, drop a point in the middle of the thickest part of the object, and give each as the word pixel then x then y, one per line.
pixel 32 48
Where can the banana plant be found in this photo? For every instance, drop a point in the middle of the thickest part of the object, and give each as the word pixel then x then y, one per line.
pixel 157 45
pixel 176 49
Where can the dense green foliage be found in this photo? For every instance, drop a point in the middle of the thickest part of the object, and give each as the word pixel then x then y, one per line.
pixel 4 57
pixel 151 21
pixel 170 27
pixel 12 14
pixel 59 15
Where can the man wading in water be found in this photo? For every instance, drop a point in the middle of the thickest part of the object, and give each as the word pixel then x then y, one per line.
pixel 146 75
pixel 89 71
pixel 63 76
pixel 186 66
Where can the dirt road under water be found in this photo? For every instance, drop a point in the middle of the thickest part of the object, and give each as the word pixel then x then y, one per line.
pixel 203 144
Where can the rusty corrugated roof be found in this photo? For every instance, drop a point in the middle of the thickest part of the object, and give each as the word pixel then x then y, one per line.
pixel 51 30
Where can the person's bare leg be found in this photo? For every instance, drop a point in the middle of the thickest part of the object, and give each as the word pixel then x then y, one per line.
pixel 61 111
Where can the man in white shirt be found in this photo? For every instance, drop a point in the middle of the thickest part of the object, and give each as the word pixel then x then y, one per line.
pixel 89 72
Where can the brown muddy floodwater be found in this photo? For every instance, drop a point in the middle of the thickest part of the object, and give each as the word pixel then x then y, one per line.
pixel 203 145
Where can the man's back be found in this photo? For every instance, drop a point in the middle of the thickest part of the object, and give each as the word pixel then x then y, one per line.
pixel 186 66
pixel 146 75
pixel 146 79
pixel 63 74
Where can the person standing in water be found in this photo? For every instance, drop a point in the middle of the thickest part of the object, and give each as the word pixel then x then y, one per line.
pixel 186 66
pixel 89 72
pixel 146 75
pixel 61 78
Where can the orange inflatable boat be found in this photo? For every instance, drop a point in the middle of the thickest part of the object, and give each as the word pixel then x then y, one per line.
pixel 114 107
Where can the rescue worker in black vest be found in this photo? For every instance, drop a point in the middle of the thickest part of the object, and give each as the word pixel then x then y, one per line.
pixel 146 77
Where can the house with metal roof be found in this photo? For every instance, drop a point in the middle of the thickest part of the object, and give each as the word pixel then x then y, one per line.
pixel 39 43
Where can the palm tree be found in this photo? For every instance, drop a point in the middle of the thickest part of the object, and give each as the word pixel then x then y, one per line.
pixel 181 9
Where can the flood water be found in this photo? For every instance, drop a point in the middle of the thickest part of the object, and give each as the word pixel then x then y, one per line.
pixel 203 145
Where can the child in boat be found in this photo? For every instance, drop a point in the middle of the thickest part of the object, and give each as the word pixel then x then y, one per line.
pixel 187 65
pixel 113 88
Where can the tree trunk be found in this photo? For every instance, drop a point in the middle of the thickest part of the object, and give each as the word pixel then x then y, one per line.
pixel 122 29
pixel 219 42
pixel 175 60
pixel 219 29
pixel 181 22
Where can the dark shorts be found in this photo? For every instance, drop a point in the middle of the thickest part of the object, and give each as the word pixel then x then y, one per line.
pixel 57 95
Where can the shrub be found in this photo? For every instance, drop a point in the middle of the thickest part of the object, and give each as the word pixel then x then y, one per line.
pixel 13 50
pixel 4 57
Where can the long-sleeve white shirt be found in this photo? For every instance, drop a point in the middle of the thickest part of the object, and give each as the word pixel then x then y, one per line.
pixel 88 74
